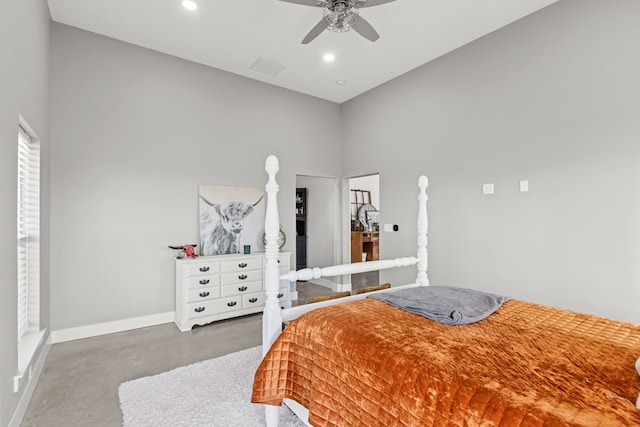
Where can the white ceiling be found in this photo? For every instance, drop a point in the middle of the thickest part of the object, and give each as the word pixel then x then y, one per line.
pixel 231 35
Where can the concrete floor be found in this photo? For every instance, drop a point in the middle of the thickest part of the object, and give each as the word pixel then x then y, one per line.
pixel 79 383
pixel 80 379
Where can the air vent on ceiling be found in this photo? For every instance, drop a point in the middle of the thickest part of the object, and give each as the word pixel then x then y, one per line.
pixel 267 66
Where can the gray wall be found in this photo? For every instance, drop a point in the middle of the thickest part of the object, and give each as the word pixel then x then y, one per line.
pixel 134 133
pixel 24 89
pixel 553 98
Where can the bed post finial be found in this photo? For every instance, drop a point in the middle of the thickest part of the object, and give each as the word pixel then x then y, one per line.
pixel 423 225
pixel 272 166
pixel 273 325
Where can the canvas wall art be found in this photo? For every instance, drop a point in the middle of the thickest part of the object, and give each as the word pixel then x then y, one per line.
pixel 230 218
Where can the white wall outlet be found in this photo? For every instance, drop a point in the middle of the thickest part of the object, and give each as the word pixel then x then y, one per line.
pixel 524 186
pixel 388 227
pixel 487 189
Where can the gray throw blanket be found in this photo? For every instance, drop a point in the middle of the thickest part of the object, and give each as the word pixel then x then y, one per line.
pixel 444 304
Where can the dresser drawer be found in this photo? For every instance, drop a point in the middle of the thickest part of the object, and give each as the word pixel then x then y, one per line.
pixel 283 294
pixel 206 308
pixel 241 289
pixel 245 264
pixel 241 277
pixel 202 267
pixel 204 294
pixel 254 300
pixel 284 264
pixel 283 261
pixel 203 281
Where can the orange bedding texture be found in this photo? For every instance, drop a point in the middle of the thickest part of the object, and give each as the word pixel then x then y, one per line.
pixel 366 363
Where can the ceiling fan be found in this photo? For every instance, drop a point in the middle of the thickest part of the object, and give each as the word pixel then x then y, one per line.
pixel 341 16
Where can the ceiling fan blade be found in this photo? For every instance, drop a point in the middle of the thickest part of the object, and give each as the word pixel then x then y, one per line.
pixel 315 32
pixel 371 3
pixel 318 3
pixel 365 29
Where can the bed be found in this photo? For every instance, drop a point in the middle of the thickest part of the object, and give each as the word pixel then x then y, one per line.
pixel 360 361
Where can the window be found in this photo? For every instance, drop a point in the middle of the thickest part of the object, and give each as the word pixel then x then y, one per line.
pixel 28 232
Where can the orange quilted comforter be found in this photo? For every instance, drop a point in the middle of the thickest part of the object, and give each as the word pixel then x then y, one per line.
pixel 366 363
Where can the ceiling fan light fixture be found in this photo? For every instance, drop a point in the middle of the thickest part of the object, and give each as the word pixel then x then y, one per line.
pixel 340 20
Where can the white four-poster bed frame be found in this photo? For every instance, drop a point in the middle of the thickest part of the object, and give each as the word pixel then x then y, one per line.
pixel 275 316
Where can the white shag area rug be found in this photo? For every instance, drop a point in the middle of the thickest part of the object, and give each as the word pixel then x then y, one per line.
pixel 216 392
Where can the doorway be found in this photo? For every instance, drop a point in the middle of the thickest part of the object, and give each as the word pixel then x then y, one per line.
pixel 317 220
pixel 364 209
pixel 318 242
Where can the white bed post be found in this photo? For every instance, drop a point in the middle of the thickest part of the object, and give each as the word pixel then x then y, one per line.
pixel 272 323
pixel 272 319
pixel 423 225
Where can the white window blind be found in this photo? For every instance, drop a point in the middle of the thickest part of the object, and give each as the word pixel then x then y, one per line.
pixel 28 233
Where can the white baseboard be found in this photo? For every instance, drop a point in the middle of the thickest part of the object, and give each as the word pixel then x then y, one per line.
pixel 35 369
pixel 97 329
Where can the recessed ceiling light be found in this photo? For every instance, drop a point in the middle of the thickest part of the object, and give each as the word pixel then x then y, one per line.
pixel 340 82
pixel 189 4
pixel 328 57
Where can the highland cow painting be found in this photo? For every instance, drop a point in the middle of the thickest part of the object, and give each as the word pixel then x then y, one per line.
pixel 230 217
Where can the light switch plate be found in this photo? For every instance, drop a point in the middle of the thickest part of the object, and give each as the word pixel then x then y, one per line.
pixel 487 189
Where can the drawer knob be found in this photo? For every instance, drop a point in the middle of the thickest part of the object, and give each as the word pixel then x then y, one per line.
pixel 204 294
pixel 242 277
pixel 242 288
pixel 198 309
pixel 204 269
pixel 242 265
pixel 232 303
pixel 280 295
pixel 252 300
pixel 204 281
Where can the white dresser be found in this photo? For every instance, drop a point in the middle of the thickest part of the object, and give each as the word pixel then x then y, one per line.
pixel 211 288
